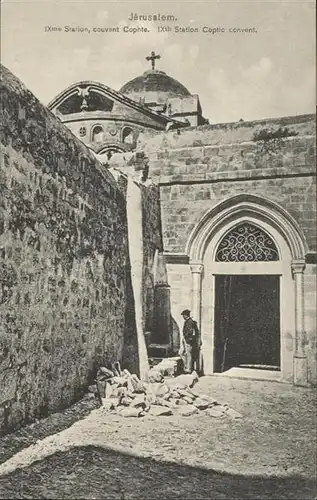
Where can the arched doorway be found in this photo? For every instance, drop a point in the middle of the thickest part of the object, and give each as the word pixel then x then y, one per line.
pixel 247 305
pixel 247 259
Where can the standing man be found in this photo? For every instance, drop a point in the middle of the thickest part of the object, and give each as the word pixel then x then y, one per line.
pixel 191 343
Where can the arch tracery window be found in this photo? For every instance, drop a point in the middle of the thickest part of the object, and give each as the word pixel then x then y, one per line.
pixel 246 243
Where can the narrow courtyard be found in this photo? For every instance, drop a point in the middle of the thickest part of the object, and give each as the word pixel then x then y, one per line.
pixel 83 452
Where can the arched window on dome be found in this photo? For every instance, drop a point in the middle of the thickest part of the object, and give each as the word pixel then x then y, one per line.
pixel 127 135
pixel 97 134
pixel 247 243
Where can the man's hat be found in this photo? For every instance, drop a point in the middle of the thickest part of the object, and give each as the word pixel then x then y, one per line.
pixel 186 312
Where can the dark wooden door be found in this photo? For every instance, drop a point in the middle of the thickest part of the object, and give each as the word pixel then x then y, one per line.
pixel 247 321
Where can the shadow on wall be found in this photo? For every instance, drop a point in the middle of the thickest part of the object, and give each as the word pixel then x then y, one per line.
pixel 96 472
pixel 176 340
pixel 130 353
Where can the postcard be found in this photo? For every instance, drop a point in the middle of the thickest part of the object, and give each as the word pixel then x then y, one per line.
pixel 158 249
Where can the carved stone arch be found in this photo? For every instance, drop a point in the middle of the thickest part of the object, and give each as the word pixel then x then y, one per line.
pixel 245 205
pixel 114 147
pixel 110 149
pixel 291 247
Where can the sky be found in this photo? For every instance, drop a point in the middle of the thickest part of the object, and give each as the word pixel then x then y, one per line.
pixel 267 73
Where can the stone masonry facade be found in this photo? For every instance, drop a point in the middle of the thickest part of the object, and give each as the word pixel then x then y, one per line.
pixel 66 296
pixel 198 168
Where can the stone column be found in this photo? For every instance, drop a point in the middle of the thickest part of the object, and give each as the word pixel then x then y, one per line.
pixel 196 270
pixel 300 361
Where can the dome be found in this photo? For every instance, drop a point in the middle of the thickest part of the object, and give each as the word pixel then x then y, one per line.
pixel 154 85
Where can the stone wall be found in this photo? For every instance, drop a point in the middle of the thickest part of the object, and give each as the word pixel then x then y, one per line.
pixel 184 205
pixel 66 300
pixel 197 168
pixel 200 167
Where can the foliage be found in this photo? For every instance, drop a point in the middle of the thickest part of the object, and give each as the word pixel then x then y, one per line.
pixel 270 139
pixel 271 133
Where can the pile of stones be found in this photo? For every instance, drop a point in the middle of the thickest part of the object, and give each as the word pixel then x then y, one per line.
pixel 125 394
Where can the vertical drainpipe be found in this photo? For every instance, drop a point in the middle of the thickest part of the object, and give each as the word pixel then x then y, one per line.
pixel 135 237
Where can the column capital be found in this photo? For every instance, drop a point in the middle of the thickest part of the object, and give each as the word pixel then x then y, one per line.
pixel 196 267
pixel 298 266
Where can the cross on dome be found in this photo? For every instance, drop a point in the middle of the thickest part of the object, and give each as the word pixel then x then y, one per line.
pixel 152 58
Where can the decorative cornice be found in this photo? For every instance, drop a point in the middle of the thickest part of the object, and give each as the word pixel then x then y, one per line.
pixel 196 267
pixel 113 94
pixel 298 266
pixel 106 116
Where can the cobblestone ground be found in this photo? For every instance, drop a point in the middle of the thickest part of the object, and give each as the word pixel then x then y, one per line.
pixel 269 454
